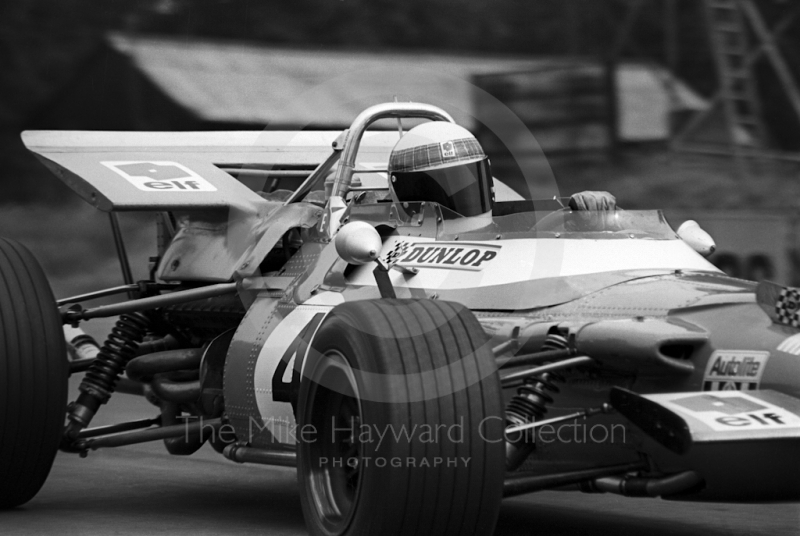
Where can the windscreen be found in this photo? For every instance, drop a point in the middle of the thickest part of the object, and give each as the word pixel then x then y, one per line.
pixel 571 224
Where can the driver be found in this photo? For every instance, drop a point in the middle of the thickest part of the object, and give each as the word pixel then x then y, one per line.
pixel 442 162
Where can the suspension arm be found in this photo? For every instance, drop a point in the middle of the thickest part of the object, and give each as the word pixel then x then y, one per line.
pixel 566 363
pixel 210 426
pixel 71 316
pixel 590 412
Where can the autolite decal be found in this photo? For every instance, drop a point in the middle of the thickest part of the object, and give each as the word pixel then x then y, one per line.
pixel 452 255
pixel 729 370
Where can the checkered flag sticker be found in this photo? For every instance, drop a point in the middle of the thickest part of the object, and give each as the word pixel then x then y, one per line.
pixel 400 248
pixel 782 304
pixel 787 307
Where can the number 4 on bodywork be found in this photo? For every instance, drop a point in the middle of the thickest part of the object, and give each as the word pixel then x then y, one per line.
pixel 286 391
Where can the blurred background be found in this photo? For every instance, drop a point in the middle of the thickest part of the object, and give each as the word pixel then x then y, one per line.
pixel 691 106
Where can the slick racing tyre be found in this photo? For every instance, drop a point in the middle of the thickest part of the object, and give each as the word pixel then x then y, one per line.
pixel 400 422
pixel 33 376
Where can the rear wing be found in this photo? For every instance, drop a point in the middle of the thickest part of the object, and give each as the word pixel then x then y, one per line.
pixel 124 171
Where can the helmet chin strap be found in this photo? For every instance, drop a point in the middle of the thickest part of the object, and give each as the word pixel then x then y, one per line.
pixel 392 193
pixel 399 122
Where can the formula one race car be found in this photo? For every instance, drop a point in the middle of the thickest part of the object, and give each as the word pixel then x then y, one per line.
pixel 365 310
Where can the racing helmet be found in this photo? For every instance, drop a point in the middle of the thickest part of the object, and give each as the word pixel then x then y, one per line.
pixel 442 162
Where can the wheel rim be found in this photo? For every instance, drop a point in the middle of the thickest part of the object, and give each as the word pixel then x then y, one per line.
pixel 334 455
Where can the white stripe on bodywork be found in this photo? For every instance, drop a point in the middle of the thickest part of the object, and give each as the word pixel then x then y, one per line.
pixel 539 258
pixel 278 417
pixel 791 345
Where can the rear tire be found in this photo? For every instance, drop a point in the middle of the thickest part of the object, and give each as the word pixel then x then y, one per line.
pixel 374 368
pixel 33 376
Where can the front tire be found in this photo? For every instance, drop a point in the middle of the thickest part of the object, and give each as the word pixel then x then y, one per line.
pixel 33 376
pixel 400 422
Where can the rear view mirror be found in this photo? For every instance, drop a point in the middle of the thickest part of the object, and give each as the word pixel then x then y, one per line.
pixel 699 240
pixel 358 243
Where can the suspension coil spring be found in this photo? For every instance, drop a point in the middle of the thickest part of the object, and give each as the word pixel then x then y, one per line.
pixel 103 374
pixel 554 341
pixel 528 405
pixel 120 347
pixel 531 403
pixel 533 398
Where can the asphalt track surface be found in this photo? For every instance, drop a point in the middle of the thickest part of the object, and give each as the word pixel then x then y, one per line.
pixel 143 490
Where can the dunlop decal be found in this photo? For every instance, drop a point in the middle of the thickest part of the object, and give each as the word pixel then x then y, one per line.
pixel 734 370
pixel 448 255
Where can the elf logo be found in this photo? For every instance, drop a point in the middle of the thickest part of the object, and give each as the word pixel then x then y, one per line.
pixel 448 149
pixel 160 176
pixel 451 255
pixel 728 411
pixel 734 370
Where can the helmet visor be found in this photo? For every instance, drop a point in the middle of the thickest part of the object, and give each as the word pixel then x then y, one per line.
pixel 465 189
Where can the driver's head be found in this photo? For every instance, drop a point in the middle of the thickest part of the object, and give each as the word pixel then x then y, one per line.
pixel 443 163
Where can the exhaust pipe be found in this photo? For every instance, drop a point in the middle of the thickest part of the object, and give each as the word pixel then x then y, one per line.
pixel 648 487
pixel 522 484
pixel 143 368
pixel 242 454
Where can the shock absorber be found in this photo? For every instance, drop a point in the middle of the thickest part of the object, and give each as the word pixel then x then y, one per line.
pixel 101 379
pixel 530 404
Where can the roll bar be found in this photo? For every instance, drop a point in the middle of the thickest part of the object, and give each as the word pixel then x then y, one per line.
pixel 347 162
